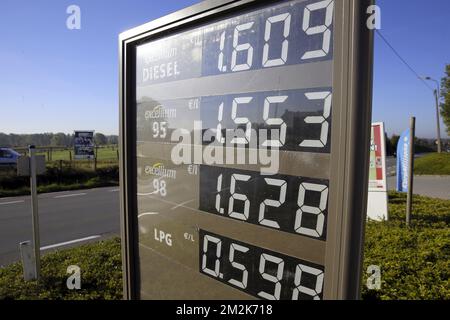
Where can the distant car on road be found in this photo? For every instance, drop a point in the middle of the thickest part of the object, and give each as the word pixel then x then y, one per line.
pixel 8 157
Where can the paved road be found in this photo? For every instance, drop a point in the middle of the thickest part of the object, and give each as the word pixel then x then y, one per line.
pixel 66 218
pixel 430 186
pixel 391 166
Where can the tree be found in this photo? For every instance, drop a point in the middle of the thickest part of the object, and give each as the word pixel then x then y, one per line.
pixel 100 139
pixel 4 140
pixel 113 139
pixel 445 95
pixel 389 147
pixel 59 140
pixel 394 142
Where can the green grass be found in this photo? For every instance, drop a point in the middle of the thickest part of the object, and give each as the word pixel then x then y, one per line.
pixel 433 164
pixel 101 275
pixel 104 154
pixel 414 261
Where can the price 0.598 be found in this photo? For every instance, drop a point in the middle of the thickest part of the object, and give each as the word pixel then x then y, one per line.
pixel 259 272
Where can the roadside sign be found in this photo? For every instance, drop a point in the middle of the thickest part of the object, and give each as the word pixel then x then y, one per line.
pixel 28 260
pixel 244 132
pixel 377 207
pixel 23 166
pixel 84 145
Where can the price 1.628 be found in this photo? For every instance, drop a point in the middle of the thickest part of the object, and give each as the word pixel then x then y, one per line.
pixel 291 204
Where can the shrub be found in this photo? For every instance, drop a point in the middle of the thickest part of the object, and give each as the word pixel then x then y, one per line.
pixel 414 261
pixel 101 275
pixel 60 180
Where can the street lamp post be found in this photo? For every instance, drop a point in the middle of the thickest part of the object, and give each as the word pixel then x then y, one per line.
pixel 436 94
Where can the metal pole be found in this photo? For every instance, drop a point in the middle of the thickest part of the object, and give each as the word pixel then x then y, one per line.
pixel 35 211
pixel 439 144
pixel 412 134
pixel 436 94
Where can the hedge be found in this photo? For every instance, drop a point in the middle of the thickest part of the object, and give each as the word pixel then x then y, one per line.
pixel 101 275
pixel 415 260
pixel 60 180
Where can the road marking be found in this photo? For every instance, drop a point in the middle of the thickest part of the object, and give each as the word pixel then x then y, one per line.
pixel 182 204
pixel 70 195
pixel 147 194
pixel 114 190
pixel 68 242
pixel 11 202
pixel 147 214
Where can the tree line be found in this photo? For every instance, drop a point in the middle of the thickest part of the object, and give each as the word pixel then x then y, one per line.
pixel 66 140
pixel 51 139
pixel 420 145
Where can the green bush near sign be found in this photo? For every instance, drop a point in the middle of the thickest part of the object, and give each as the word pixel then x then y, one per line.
pixel 60 180
pixel 414 261
pixel 101 275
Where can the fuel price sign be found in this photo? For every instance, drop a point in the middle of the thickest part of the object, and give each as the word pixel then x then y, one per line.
pixel 244 128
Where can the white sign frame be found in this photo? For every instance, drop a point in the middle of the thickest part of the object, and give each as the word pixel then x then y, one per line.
pixel 377 202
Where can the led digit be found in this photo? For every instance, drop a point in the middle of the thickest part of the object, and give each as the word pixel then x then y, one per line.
pixel 321 29
pixel 272 203
pixel 286 19
pixel 275 121
pixel 272 278
pixel 314 292
pixel 241 120
pixel 242 283
pixel 316 211
pixel 241 47
pixel 239 197
pixel 221 66
pixel 322 120
pixel 216 271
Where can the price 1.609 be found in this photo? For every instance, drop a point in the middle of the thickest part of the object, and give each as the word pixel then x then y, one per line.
pixel 279 33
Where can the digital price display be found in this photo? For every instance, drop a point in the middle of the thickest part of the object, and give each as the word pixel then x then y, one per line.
pixel 240 151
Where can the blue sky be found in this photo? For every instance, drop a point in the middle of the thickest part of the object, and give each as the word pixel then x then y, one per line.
pixel 57 80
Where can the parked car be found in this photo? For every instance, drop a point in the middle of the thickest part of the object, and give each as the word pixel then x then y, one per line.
pixel 8 157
